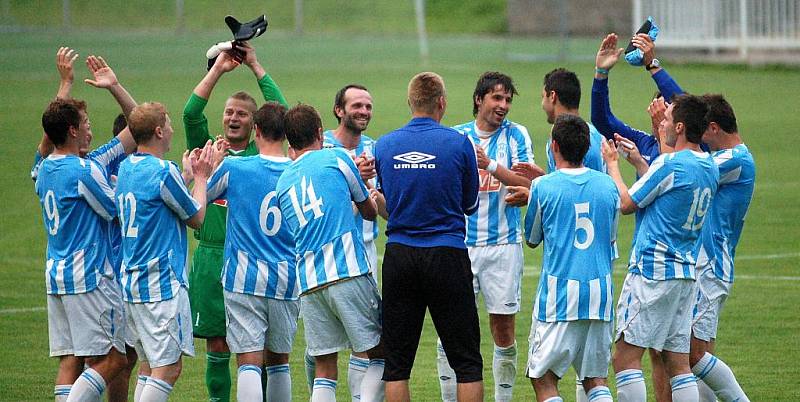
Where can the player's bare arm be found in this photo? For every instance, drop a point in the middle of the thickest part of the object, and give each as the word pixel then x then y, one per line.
pixel 105 78
pixel 502 173
pixel 380 201
pixel 366 167
pixel 201 168
pixel 631 153
pixel 65 59
pixel 611 157
pixel 368 209
pixel 517 196
pixel 527 169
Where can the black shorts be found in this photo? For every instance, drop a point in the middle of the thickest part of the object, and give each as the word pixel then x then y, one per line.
pixel 439 279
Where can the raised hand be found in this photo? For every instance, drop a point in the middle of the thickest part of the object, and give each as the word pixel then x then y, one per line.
pixel 643 42
pixel 250 57
pixel 202 163
pixel 65 58
pixel 656 110
pixel 186 167
pixel 609 151
pixel 517 196
pixel 225 62
pixel 104 76
pixel 608 54
pixel 219 150
pixel 527 170
pixel 483 160
pixel 366 166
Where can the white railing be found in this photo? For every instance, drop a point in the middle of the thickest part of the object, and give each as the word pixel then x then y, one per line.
pixel 741 25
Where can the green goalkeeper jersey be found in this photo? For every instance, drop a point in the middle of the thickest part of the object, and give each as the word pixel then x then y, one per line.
pixel 195 124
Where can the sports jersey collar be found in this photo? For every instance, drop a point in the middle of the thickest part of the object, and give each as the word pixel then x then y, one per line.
pixel 574 171
pixel 54 157
pixel 276 158
pixel 303 156
pixel 505 123
pixel 418 121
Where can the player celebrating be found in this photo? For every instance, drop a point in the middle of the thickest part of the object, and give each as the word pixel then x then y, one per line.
pixel 572 313
pixel 154 209
pixel 340 302
pixel 720 236
pixel 655 303
pixel 494 233
pixel 208 311
pixel 258 277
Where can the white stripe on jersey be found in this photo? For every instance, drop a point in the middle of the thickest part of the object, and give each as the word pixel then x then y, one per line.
pixel 79 270
pixel 663 186
pixel 731 176
pixel 173 204
pixel 659 261
pixel 60 270
pixel 609 313
pixel 219 187
pixel 727 262
pixel 283 280
pixel 153 286
pixel 552 292
pixel 594 299
pixel 242 260
pixel 350 255
pixel 261 277
pixel 47 271
pixel 352 181
pixel 573 299
pixel 311 271
pixel 330 261
pixel 94 203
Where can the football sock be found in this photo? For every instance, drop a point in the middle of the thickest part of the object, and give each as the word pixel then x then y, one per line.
pixel 355 373
pixel 324 390
pixel 372 385
pixel 554 399
pixel 719 377
pixel 600 393
pixel 140 382
pixel 311 370
pixel 155 391
pixel 447 377
pixel 580 393
pixel 248 384
pixel 62 392
pixel 218 376
pixel 504 369
pixel 88 388
pixel 706 393
pixel 684 388
pixel 279 383
pixel 630 386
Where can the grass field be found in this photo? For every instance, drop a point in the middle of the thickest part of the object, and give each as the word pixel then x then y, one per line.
pixel 760 324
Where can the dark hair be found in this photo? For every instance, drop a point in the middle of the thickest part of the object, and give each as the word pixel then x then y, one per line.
pixel 60 115
pixel 571 133
pixel 720 112
pixel 691 111
pixel 486 84
pixel 302 124
pixel 269 120
pixel 119 124
pixel 339 100
pixel 566 85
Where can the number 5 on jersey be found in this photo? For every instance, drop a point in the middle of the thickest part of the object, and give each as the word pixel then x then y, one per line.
pixel 310 202
pixel 583 223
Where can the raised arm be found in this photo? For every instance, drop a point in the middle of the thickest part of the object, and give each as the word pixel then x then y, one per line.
pixel 201 168
pixel 269 89
pixel 627 205
pixel 65 59
pixel 666 85
pixel 195 122
pixel 104 77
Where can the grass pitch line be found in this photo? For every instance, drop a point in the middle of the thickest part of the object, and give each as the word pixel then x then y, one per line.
pixel 22 310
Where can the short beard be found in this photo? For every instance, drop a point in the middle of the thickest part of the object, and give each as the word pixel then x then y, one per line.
pixel 350 125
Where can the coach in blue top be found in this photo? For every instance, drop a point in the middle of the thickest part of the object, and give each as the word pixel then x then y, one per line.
pixel 429 176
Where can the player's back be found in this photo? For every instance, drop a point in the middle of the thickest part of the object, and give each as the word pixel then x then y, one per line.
pixel 593 158
pixel 259 247
pixel 77 205
pixel 676 193
pixel 575 213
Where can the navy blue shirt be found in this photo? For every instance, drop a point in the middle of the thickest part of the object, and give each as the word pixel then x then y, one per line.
pixel 429 176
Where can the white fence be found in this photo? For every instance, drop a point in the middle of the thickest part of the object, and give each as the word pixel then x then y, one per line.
pixel 739 25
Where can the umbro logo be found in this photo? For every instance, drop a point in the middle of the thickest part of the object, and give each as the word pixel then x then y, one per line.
pixel 414 160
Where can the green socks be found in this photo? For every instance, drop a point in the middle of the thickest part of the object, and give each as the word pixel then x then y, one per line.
pixel 218 376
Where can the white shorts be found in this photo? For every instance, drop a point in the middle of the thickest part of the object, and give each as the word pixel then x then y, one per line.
pixel 497 274
pixel 162 331
pixel 372 258
pixel 555 346
pixel 711 293
pixel 345 315
pixel 656 314
pixel 87 324
pixel 254 323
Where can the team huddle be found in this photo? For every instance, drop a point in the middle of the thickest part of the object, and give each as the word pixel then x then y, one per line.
pixel 288 231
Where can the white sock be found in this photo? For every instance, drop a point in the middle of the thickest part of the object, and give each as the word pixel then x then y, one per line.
pixel 719 377
pixel 88 388
pixel 355 374
pixel 504 369
pixel 630 386
pixel 62 392
pixel 141 380
pixel 600 393
pixel 248 384
pixel 324 390
pixel 279 383
pixel 311 370
pixel 684 388
pixel 554 399
pixel 706 393
pixel 447 377
pixel 372 386
pixel 155 391
pixel 580 393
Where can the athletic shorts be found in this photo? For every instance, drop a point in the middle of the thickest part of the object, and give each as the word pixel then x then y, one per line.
pixel 372 258
pixel 439 279
pixel 584 345
pixel 162 330
pixel 711 293
pixel 256 323
pixel 205 293
pixel 344 315
pixel 87 324
pixel 656 314
pixel 497 274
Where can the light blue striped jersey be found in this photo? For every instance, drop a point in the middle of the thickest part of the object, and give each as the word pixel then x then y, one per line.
pixel 723 227
pixel 259 248
pixel 495 222
pixel 675 195
pixel 315 195
pixel 77 206
pixel 575 212
pixel 592 160
pixel 153 204
pixel 369 228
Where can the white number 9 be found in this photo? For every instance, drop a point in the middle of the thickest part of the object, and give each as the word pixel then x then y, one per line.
pixel 51 210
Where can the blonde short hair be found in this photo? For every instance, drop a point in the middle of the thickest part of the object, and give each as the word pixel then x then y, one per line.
pixel 144 119
pixel 424 91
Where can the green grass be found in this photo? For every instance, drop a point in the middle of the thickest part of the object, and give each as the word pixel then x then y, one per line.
pixel 760 323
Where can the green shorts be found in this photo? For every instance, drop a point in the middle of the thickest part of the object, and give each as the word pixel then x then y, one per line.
pixel 205 293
